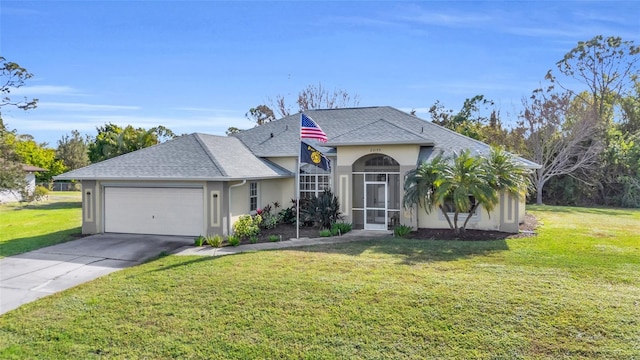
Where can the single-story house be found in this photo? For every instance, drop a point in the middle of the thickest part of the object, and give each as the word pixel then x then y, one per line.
pixel 201 184
pixel 30 180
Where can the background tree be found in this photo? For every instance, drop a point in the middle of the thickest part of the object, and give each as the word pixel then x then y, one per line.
pixel 468 121
pixel 560 146
pixel 232 130
pixel 11 173
pixel 112 140
pixel 13 76
pixel 39 154
pixel 471 121
pixel 73 150
pixel 309 98
pixel 260 114
pixel 607 69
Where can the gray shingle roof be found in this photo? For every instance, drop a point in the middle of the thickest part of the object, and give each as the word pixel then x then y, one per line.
pixel 189 157
pixel 358 126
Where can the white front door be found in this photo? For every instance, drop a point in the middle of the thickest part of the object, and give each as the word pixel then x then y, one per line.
pixel 375 205
pixel 154 210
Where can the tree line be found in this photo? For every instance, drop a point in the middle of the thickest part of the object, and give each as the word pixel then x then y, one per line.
pixel 585 136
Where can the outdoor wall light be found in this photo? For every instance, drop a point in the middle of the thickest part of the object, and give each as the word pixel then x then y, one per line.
pixel 215 195
pixel 88 192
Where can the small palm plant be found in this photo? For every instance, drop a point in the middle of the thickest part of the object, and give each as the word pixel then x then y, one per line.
pixel 457 179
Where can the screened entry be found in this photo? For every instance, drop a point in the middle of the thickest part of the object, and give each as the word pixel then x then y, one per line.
pixel 376 192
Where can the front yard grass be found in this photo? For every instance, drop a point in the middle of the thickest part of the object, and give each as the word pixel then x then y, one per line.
pixel 26 227
pixel 573 292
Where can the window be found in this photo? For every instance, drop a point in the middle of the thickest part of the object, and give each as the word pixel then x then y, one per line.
pixel 312 185
pixel 450 207
pixel 253 196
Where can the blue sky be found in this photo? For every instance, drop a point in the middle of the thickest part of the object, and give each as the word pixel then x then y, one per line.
pixel 199 66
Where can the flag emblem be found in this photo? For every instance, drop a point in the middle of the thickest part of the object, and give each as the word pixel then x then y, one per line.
pixel 310 130
pixel 311 155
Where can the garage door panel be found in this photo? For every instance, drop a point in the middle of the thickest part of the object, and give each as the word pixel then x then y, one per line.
pixel 163 211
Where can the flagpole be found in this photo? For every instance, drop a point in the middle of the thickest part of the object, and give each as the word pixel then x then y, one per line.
pixel 298 180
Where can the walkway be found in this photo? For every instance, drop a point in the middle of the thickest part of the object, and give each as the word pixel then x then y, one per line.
pixel 353 235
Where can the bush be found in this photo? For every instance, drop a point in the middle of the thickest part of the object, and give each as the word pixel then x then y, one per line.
pixel 214 241
pixel 269 221
pixel 340 228
pixel 325 233
pixel 233 240
pixel 253 239
pixel 199 241
pixel 38 194
pixel 402 231
pixel 288 215
pixel 323 210
pixel 247 226
pixel 274 238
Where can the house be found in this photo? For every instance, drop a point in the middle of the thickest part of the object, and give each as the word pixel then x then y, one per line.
pixel 201 184
pixel 30 180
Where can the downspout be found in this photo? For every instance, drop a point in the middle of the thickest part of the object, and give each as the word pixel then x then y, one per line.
pixel 229 205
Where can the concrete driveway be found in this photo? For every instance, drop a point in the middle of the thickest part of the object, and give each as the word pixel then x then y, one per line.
pixel 35 274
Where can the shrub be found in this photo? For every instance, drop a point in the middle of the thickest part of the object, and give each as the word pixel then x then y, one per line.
pixel 325 233
pixel 274 238
pixel 253 239
pixel 340 228
pixel 214 241
pixel 199 241
pixel 38 194
pixel 402 231
pixel 323 210
pixel 288 215
pixel 233 240
pixel 247 226
pixel 269 221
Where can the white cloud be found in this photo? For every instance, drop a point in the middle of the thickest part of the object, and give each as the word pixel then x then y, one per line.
pixel 64 106
pixel 36 90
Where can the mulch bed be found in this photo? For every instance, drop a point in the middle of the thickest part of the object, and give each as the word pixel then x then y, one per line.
pixel 527 229
pixel 288 232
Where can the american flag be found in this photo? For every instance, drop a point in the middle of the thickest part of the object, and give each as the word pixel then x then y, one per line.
pixel 310 130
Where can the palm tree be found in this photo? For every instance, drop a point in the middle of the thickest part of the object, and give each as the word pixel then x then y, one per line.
pixel 458 179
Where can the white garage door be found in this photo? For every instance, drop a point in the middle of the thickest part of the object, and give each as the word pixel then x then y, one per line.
pixel 161 211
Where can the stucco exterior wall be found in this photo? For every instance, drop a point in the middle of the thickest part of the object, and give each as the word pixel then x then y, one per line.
pixel 215 208
pixel 504 217
pixel 269 191
pixel 91 207
pixel 403 154
pixel 288 163
pixel 481 220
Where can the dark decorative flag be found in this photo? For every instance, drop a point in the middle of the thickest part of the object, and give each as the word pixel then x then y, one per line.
pixel 309 155
pixel 310 130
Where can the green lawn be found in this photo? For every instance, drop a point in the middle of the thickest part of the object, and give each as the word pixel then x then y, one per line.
pixel 573 292
pixel 25 227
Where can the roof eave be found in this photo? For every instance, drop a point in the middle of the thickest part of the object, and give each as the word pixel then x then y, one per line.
pixel 374 143
pixel 155 178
